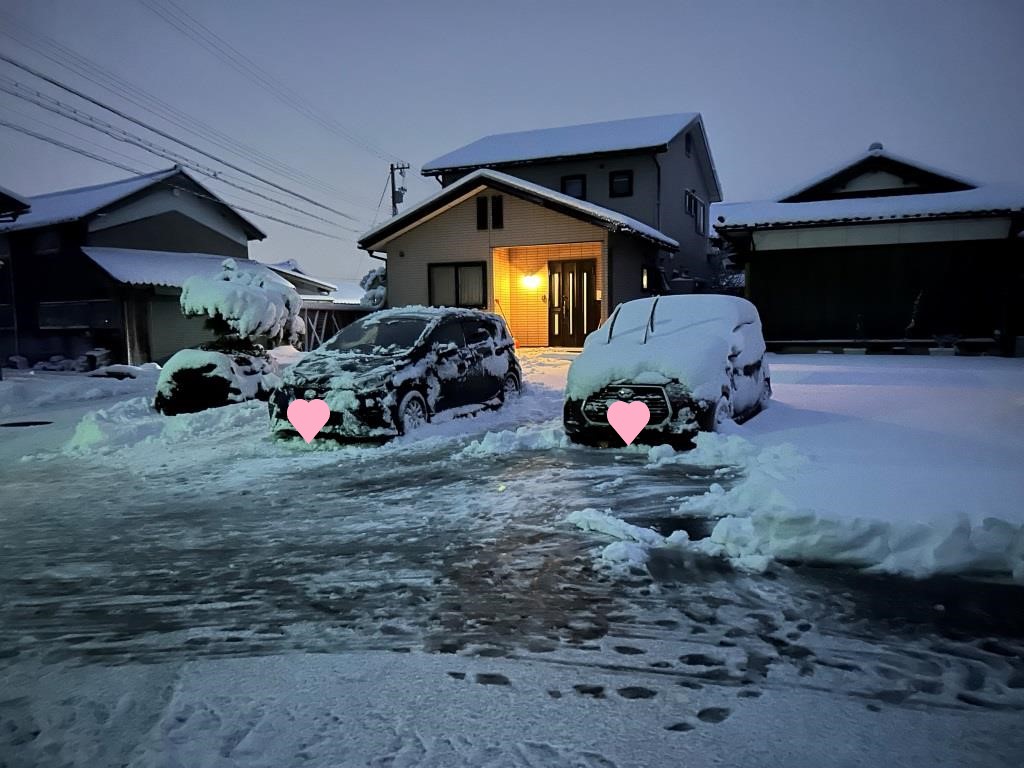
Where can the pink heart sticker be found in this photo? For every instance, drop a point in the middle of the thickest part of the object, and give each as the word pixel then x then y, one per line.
pixel 628 419
pixel 308 417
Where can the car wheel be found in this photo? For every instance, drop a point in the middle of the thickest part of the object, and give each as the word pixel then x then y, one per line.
pixel 722 413
pixel 412 413
pixel 766 393
pixel 510 386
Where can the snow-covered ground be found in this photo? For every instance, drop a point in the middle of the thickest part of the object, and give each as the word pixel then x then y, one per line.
pixel 186 591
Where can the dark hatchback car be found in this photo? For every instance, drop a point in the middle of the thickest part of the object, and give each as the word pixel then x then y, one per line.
pixel 394 370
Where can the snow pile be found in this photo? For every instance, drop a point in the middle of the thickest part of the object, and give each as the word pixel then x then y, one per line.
pixel 375 287
pixel 250 302
pixel 134 425
pixel 25 391
pixel 122 371
pixel 540 437
pixel 633 542
pixel 247 377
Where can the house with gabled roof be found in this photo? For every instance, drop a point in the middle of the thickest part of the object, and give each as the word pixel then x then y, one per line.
pixel 883 251
pixel 102 267
pixel 553 228
pixel 12 205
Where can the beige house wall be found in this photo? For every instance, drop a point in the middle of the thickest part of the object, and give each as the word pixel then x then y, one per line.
pixel 452 236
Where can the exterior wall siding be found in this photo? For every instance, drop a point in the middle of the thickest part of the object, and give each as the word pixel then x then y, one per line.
pixel 526 310
pixel 678 174
pixel 171 231
pixel 452 236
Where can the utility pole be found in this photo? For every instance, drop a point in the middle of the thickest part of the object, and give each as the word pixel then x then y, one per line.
pixel 397 193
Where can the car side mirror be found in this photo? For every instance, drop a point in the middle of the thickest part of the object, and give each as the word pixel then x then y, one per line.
pixel 447 350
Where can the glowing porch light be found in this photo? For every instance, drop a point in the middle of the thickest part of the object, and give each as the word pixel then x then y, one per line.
pixel 531 282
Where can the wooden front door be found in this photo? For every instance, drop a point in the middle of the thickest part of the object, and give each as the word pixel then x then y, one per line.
pixel 573 309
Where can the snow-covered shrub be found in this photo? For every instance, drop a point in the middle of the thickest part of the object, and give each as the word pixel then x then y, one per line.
pixel 375 285
pixel 243 304
pixel 196 379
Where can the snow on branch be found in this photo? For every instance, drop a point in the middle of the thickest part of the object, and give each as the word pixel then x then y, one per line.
pixel 375 285
pixel 250 302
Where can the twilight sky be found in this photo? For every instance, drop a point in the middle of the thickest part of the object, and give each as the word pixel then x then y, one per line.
pixel 787 88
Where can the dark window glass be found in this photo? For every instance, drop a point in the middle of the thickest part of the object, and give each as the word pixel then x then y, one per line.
pixel 620 184
pixel 477 331
pixel 471 286
pixel 442 286
pixel 389 336
pixel 481 213
pixel 688 141
pixel 497 212
pixel 79 314
pixel 575 186
pixel 458 285
pixel 448 333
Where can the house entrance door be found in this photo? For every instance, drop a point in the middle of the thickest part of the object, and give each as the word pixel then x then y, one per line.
pixel 573 309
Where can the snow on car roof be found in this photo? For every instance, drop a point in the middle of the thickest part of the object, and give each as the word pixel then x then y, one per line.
pixel 566 141
pixel 691 340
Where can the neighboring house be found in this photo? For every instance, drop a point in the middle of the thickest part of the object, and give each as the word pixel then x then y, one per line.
pixel 883 251
pixel 102 266
pixel 326 307
pixel 12 205
pixel 553 228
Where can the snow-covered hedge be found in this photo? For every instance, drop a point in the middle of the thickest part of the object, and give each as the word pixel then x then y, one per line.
pixel 195 379
pixel 375 283
pixel 250 302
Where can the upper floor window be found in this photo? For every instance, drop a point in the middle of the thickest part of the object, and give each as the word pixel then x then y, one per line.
pixel 699 210
pixel 620 184
pixel 688 143
pixel 481 213
pixel 497 211
pixel 575 186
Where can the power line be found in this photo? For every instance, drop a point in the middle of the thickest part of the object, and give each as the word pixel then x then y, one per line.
pixel 53 105
pixel 83 67
pixel 189 26
pixel 86 153
pixel 164 134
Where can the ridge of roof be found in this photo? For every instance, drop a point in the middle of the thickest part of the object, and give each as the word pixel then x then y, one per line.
pixel 874 151
pixel 76 203
pixel 564 141
pixel 611 219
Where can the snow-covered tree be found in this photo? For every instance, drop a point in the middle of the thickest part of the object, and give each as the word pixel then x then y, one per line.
pixel 375 285
pixel 243 304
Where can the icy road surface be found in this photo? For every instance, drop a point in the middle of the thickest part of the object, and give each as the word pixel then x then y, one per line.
pixel 200 595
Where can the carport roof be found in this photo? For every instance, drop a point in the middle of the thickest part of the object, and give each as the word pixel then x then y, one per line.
pixel 167 268
pixel 484 178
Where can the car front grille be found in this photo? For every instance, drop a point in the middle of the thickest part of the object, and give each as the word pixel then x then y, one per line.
pixel 595 407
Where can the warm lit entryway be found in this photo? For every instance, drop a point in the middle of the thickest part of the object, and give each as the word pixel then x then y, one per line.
pixel 550 295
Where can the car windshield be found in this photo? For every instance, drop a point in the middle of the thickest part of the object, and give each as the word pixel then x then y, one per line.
pixel 379 337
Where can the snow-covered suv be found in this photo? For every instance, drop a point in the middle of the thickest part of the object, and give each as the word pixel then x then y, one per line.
pixel 695 361
pixel 393 370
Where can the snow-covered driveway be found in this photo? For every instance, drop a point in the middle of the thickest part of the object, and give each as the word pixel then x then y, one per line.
pixel 188 592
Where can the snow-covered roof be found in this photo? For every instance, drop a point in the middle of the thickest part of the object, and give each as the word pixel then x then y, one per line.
pixel 874 151
pixel 290 268
pixel 166 268
pixel 612 220
pixel 12 202
pixel 80 202
pixel 348 293
pixel 988 199
pixel 569 141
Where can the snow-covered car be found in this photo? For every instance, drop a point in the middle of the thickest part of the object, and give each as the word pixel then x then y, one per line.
pixel 694 361
pixel 394 370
